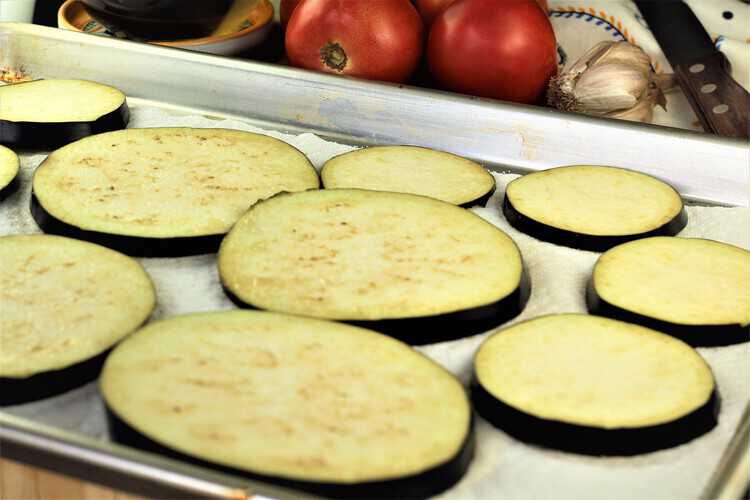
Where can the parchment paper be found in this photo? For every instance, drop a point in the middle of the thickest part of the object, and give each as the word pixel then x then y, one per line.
pixel 503 467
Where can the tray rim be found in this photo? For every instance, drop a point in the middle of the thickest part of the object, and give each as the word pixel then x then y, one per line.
pixel 127 468
pixel 703 167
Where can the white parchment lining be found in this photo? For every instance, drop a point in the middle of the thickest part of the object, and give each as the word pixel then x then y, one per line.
pixel 502 467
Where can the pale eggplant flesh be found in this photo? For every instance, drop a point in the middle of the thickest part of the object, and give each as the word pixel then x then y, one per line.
pixel 693 289
pixel 9 167
pixel 414 267
pixel 46 114
pixel 582 241
pixel 421 330
pixel 65 303
pixel 593 208
pixel 422 485
pixel 589 440
pixel 594 386
pixel 411 169
pixel 319 406
pixel 162 191
pixel 131 245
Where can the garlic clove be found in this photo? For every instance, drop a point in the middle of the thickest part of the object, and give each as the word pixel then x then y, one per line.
pixel 643 111
pixel 589 59
pixel 610 87
pixel 613 79
pixel 626 53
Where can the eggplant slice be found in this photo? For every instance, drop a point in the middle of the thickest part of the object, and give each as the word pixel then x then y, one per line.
pixel 411 169
pixel 410 266
pixel 591 207
pixel 65 303
pixel 9 166
pixel 52 113
pixel 163 191
pixel 694 289
pixel 593 385
pixel 320 406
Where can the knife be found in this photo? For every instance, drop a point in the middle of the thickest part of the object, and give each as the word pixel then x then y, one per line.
pixel 703 73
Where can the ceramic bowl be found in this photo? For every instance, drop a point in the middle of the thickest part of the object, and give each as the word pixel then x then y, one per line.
pixel 163 19
pixel 246 25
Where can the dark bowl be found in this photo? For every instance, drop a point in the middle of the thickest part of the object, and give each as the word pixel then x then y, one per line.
pixel 160 19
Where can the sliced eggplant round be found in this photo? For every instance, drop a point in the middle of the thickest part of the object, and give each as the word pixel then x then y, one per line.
pixel 591 207
pixel 320 406
pixel 413 267
pixel 694 289
pixel 9 166
pixel 411 169
pixel 51 113
pixel 65 303
pixel 593 385
pixel 162 191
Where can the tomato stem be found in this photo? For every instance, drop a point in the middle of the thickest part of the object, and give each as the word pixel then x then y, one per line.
pixel 334 56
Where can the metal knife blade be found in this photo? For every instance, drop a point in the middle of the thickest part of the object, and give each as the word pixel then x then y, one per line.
pixel 679 33
pixel 703 73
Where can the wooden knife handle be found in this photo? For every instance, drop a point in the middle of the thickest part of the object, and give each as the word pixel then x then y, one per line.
pixel 722 105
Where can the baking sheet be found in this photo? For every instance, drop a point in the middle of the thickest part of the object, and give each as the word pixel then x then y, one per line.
pixel 503 467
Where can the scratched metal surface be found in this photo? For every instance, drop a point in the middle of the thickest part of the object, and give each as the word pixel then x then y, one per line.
pixel 503 136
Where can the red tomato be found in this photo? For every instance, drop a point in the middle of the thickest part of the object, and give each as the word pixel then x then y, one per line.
pixel 286 9
pixel 493 48
pixel 428 9
pixel 373 39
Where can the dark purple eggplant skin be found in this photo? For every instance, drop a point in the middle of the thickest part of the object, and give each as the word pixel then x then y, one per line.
pixel 10 188
pixel 482 200
pixel 422 485
pixel 135 246
pixel 694 335
pixel 47 136
pixel 422 330
pixel 16 391
pixel 595 441
pixel 582 241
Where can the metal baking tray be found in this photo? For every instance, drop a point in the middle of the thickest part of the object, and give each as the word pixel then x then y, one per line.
pixel 504 137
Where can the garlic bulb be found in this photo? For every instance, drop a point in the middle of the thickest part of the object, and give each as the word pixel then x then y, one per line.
pixel 613 79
